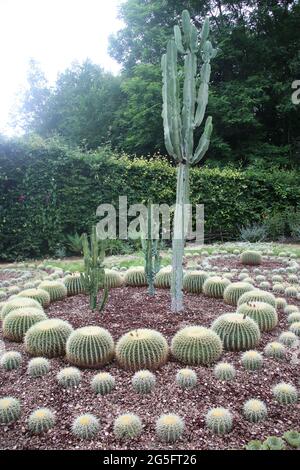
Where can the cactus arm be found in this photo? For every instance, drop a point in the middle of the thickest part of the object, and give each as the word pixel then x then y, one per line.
pixel 178 39
pixel 166 109
pixel 203 142
pixel 204 33
pixel 188 110
pixel 186 26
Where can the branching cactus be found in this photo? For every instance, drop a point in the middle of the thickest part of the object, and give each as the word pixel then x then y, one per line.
pixel 151 247
pixel 181 117
pixel 93 276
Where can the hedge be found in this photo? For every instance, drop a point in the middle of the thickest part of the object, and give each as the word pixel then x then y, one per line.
pixel 48 191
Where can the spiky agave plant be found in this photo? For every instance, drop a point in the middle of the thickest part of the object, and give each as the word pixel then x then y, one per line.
pixel 179 126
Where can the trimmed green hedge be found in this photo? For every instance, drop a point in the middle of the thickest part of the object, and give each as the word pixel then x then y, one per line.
pixel 48 190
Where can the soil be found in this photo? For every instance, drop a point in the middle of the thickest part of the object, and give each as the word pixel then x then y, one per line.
pixel 127 309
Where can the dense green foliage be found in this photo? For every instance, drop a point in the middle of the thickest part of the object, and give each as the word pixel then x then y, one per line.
pixel 48 191
pixel 250 100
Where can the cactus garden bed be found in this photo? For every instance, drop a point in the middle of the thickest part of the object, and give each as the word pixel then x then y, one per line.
pixel 129 308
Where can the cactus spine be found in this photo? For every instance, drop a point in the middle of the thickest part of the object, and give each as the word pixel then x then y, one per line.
pixel 94 274
pixel 151 247
pixel 179 126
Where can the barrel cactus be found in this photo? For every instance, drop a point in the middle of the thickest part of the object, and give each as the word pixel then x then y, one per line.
pixel 86 426
pixel 289 339
pixel 74 284
pixel 186 378
pixel 257 295
pixel 112 279
pixel 18 303
pixel 48 338
pixel 127 426
pixel 103 383
pixel 69 377
pixel 291 309
pixel 41 420
pixel 56 289
pixel 278 288
pixel 196 345
pixel 224 371
pixel 142 349
pixel 143 381
pixel 251 257
pixel 281 303
pixel 18 321
pixel 169 427
pixel 255 410
pixel 163 278
pixel 235 290
pixel 11 360
pixel 236 331
pixel 264 314
pixel 38 367
pixel 219 420
pixel 40 295
pixel 215 286
pixel 193 281
pixel 295 328
pixel 10 410
pixel 291 292
pixel 275 350
pixel 90 346
pixel 136 277
pixel 285 393
pixel 293 317
pixel 252 360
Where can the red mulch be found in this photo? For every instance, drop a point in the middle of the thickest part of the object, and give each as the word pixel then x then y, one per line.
pixel 127 309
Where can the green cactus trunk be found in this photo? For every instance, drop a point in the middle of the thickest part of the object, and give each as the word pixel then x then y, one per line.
pixel 151 249
pixel 180 121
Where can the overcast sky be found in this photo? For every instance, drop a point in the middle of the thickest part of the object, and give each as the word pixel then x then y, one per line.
pixel 55 33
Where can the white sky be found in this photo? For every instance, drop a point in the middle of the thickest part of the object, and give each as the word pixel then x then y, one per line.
pixel 55 33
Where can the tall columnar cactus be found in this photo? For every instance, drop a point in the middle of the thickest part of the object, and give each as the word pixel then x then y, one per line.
pixel 180 121
pixel 93 276
pixel 151 248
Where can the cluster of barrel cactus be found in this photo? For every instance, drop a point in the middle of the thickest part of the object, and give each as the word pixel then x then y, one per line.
pixel 56 289
pixel 74 284
pixel 193 281
pixel 18 321
pixel 169 427
pixel 264 314
pixel 48 338
pixel 11 360
pixel 40 295
pixel 219 420
pixel 215 286
pixel 143 381
pixel 38 367
pixel 251 257
pixel 237 332
pixel 127 426
pixel 41 420
pixel 255 410
pixel 69 377
pixel 103 383
pixel 90 346
pixel 224 371
pixel 196 345
pixel 234 291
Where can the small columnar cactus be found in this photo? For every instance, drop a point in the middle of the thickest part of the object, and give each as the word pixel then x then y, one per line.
pixel 224 371
pixel 292 438
pixel 237 332
pixel 40 295
pixel 103 383
pixel 255 410
pixel 169 427
pixel 262 313
pixel 69 377
pixel 219 420
pixel 293 317
pixel 56 289
pixel 86 426
pixel 288 338
pixel 235 290
pixel 90 346
pixel 291 292
pixel 142 349
pixel 163 278
pixel 38 367
pixel 18 303
pixel 143 381
pixel 10 410
pixel 273 443
pixel 193 281
pixel 127 426
pixel 252 360
pixel 257 295
pixel 196 345
pixel 41 420
pixel 74 284
pixel 275 350
pixel 281 303
pixel 136 277
pixel 112 279
pixel 295 328
pixel 251 257
pixel 11 360
pixel 18 321
pixel 48 338
pixel 215 286
pixel 285 393
pixel 186 378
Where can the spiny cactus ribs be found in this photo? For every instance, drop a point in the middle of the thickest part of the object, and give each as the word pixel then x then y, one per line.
pixel 196 345
pixel 90 346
